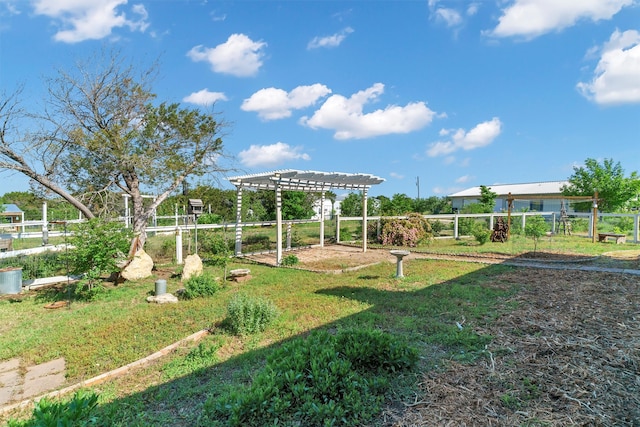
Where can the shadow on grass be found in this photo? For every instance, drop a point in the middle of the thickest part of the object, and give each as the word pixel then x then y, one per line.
pixel 438 316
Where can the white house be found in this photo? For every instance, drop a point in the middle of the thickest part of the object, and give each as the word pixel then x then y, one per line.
pixel 529 196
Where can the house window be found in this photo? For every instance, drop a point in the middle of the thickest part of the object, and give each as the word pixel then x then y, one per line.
pixel 536 205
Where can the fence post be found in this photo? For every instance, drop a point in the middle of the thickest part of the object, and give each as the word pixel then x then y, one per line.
pixel 455 227
pixel 337 228
pixel 178 245
pixel 635 228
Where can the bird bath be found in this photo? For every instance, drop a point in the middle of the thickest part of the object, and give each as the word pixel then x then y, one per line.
pixel 399 254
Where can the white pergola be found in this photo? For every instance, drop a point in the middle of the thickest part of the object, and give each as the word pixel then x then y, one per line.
pixel 307 181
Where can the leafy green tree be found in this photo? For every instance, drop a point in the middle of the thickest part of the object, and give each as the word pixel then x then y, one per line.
pixel 352 205
pixel 608 178
pixel 401 204
pixel 297 204
pixel 487 199
pixel 535 227
pixel 433 205
pixel 101 132
pixel 331 196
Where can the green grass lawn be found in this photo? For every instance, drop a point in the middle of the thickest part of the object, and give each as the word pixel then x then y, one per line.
pixel 120 327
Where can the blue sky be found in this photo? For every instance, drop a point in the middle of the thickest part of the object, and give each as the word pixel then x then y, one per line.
pixel 453 93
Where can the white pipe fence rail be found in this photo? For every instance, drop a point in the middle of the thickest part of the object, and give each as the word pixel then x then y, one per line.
pixel 40 229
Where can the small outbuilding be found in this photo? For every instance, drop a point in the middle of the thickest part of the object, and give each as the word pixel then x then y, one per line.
pixel 9 215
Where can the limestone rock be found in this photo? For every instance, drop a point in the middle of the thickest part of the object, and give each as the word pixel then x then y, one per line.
pixel 192 267
pixel 163 299
pixel 140 266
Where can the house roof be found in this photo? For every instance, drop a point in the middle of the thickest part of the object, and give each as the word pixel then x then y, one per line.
pixel 10 209
pixel 528 189
pixel 310 181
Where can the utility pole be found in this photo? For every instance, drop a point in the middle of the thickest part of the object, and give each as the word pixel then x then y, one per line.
pixel 418 185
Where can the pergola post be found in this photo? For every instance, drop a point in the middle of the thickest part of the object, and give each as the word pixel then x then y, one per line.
pixel 278 223
pixel 239 221
pixel 364 220
pixel 322 219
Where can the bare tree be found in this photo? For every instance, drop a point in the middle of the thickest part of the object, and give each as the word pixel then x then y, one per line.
pixel 101 132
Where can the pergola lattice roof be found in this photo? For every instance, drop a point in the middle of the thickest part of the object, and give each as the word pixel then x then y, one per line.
pixel 309 181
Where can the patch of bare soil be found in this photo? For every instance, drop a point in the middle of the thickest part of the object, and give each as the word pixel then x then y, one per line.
pixel 569 354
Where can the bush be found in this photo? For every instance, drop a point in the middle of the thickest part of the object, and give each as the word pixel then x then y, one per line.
pixel 623 225
pixel 319 381
pixel 437 226
pixel 579 224
pixel 209 218
pixel 290 260
pixel 249 315
pixel 203 285
pixel 99 247
pixel 535 227
pixel 481 233
pixel 405 232
pixel 216 249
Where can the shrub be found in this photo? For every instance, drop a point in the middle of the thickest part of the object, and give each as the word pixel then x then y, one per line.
pixel 319 381
pixel 535 227
pixel 623 225
pixel 249 315
pixel 481 233
pixel 437 226
pixel 203 285
pixel 209 218
pixel 579 224
pixel 290 260
pixel 99 247
pixel 405 232
pixel 216 248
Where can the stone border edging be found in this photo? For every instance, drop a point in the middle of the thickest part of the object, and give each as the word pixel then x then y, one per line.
pixel 118 372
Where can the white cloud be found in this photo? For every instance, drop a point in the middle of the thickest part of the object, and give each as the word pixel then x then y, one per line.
pixel 90 19
pixel 464 178
pixel 396 175
pixel 617 76
pixel 272 103
pixel 451 17
pixel 532 18
pixel 445 191
pixel 472 9
pixel 346 116
pixel 205 97
pixel 239 56
pixel 480 136
pixel 330 41
pixel 271 155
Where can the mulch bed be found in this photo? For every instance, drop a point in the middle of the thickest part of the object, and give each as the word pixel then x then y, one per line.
pixel 568 354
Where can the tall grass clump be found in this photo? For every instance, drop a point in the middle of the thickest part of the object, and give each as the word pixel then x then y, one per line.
pixel 323 380
pixel 249 315
pixel 48 413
